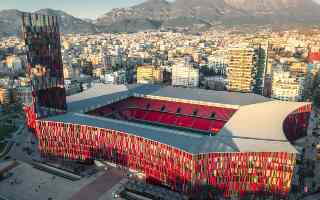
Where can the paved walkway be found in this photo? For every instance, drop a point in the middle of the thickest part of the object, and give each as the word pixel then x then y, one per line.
pixel 97 188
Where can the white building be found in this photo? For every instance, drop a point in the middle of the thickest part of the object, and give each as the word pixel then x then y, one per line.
pixel 185 75
pixel 14 63
pixel 218 62
pixel 118 77
pixel 286 87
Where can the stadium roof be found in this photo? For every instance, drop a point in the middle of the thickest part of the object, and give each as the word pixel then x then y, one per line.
pixel 101 94
pixel 257 126
pixel 187 141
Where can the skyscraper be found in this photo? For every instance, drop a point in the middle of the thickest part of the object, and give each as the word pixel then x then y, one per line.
pixel 241 69
pixel 45 69
pixel 261 47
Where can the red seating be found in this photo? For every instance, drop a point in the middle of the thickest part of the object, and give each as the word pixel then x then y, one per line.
pixel 202 124
pixel 168 118
pixel 156 105
pixel 187 109
pixel 185 121
pixel 140 114
pixel 127 114
pixel 150 110
pixel 171 107
pixel 217 126
pixel 223 113
pixel 204 111
pixel 153 116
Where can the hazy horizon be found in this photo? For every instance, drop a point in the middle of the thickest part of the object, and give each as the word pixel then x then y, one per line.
pixel 78 8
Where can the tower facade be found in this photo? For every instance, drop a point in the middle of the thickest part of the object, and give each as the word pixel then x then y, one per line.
pixel 241 69
pixel 44 65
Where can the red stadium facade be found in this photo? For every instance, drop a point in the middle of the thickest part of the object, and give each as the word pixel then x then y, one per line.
pixel 233 173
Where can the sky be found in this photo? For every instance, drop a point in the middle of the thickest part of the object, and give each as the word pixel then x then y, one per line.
pixel 78 8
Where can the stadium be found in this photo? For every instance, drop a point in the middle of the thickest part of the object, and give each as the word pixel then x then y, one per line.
pixel 184 139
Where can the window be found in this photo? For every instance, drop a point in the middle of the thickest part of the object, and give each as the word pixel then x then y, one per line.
pixel 178 110
pixel 163 108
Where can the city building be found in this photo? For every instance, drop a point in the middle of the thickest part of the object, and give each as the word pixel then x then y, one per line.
pixel 67 72
pixel 149 74
pixel 218 63
pixel 45 69
pixel 241 71
pixel 5 96
pixel 299 69
pixel 14 63
pixel 24 95
pixel 185 75
pixel 72 86
pixel 286 87
pixel 117 77
pixel 99 71
pixel 261 49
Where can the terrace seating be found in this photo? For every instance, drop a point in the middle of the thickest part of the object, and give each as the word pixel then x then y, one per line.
pixel 204 111
pixel 186 109
pixel 137 102
pixel 171 107
pixel 295 126
pixel 140 114
pixel 169 119
pixel 152 116
pixel 202 124
pixel 217 126
pixel 198 117
pixel 156 105
pixel 223 113
pixel 185 121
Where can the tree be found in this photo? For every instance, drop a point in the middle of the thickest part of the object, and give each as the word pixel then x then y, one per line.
pixel 308 88
pixel 316 97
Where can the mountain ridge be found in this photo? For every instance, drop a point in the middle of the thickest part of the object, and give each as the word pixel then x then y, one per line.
pixel 191 14
pixel 10 22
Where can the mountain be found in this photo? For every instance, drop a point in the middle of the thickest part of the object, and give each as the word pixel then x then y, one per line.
pixel 10 22
pixel 193 14
pixel 70 24
pixel 189 13
pixel 147 15
pixel 275 11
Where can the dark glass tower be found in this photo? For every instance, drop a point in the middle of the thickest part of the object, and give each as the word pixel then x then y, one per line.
pixel 45 69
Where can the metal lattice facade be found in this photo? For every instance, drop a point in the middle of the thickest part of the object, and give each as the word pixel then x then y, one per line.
pixel 45 69
pixel 234 173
